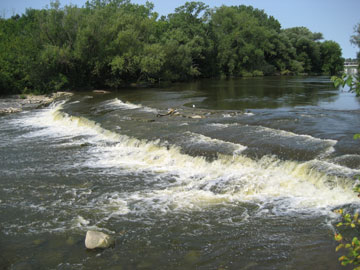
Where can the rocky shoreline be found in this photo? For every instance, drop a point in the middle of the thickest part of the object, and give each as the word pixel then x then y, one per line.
pixel 19 103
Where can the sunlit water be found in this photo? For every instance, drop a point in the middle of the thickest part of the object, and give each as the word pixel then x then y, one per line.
pixel 246 177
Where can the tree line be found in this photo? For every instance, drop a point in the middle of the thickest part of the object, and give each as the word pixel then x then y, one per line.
pixel 111 43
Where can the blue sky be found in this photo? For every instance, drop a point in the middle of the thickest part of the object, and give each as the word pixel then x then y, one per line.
pixel 335 19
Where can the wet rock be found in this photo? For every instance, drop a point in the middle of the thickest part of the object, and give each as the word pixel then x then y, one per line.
pixel 170 112
pixel 196 116
pixel 18 103
pixel 101 92
pixel 10 110
pixel 96 239
pixel 61 94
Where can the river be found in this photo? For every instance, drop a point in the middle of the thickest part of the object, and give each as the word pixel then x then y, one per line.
pixel 245 176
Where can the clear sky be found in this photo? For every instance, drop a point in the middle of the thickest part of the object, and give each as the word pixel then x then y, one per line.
pixel 334 18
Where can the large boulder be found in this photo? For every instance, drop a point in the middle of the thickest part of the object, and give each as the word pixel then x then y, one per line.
pixel 96 239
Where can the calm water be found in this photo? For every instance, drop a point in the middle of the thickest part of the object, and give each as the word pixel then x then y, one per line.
pixel 246 177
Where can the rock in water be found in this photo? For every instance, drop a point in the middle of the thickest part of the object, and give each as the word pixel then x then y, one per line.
pixel 196 117
pixel 96 239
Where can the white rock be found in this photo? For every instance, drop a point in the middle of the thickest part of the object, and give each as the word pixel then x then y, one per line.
pixel 101 92
pixel 96 239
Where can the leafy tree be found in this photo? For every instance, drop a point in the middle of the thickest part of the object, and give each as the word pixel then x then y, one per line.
pixel 307 48
pixel 17 52
pixel 243 40
pixel 110 43
pixel 187 42
pixel 332 62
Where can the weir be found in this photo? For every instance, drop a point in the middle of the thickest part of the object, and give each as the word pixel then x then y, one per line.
pixel 230 178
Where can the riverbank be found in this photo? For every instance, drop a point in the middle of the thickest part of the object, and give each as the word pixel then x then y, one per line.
pixel 19 103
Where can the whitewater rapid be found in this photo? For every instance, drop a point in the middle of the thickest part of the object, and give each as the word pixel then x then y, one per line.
pixel 181 182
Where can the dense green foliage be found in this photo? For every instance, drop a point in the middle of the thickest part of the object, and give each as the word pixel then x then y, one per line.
pixel 110 43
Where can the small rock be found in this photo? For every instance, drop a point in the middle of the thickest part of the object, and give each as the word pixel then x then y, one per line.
pixel 101 92
pixel 171 111
pixel 96 239
pixel 196 117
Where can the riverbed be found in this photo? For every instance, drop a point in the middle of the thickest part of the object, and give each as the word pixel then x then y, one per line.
pixel 245 175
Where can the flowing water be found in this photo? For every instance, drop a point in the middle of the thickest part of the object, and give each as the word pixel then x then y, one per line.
pixel 245 176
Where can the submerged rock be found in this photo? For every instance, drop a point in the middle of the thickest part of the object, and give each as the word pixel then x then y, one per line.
pixel 96 239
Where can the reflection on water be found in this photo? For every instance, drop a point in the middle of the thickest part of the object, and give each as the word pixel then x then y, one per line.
pixel 265 92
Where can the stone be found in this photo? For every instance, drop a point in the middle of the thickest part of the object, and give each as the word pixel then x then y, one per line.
pixel 96 239
pixel 196 117
pixel 170 112
pixel 101 92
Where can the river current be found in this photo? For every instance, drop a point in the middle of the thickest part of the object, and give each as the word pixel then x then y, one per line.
pixel 246 175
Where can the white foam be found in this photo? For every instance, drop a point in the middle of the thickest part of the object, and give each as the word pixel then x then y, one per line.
pixel 80 221
pixel 54 123
pixel 219 125
pixel 118 104
pixel 228 180
pixel 288 134
pixel 200 184
pixel 201 139
pixel 123 105
pixel 327 144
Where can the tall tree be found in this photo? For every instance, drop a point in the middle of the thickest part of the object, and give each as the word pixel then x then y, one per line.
pixel 331 60
pixel 307 48
pixel 187 42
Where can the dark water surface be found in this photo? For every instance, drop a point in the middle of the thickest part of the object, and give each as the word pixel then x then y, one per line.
pixel 246 177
